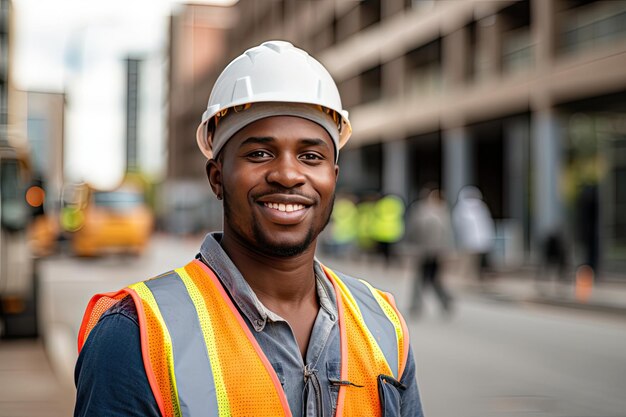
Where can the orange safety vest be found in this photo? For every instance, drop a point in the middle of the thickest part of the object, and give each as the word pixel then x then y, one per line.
pixel 175 346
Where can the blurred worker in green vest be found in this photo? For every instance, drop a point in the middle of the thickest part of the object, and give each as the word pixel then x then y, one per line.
pixel 387 227
pixel 344 224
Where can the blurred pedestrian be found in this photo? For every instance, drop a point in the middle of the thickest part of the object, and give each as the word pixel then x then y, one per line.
pixel 255 325
pixel 554 260
pixel 430 228
pixel 387 227
pixel 474 230
pixel 344 224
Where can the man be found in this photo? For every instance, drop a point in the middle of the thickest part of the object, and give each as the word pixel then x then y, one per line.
pixel 430 227
pixel 255 325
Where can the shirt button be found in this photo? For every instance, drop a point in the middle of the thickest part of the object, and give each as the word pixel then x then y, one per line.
pixel 332 317
pixel 259 323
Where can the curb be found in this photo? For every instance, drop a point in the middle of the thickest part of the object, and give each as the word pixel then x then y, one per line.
pixel 561 302
pixel 598 307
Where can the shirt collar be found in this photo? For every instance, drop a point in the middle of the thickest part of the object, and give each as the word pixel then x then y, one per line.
pixel 243 296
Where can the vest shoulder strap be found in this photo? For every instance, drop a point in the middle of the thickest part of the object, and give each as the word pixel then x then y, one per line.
pixel 382 318
pixel 372 339
pixel 156 352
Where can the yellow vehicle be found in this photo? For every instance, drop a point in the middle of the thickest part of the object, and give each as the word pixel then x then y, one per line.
pixel 113 221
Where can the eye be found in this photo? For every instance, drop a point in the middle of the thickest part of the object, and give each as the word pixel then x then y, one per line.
pixel 312 156
pixel 258 155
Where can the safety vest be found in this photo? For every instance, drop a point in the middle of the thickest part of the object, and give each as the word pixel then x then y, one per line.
pixel 202 360
pixel 388 219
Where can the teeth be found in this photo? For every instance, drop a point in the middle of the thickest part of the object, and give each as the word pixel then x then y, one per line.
pixel 284 207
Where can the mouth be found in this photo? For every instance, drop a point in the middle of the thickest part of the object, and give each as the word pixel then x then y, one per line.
pixel 287 208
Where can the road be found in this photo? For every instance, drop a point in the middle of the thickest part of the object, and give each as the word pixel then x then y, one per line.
pixel 490 359
pixel 495 358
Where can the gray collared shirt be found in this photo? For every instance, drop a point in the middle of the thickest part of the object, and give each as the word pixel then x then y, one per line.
pixel 307 383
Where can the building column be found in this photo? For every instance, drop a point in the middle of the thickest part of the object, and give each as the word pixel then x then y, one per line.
pixel 546 168
pixel 395 165
pixel 517 138
pixel 455 51
pixel 543 22
pixel 488 48
pixel 457 162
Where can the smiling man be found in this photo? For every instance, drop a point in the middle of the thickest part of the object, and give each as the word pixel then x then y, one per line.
pixel 255 325
pixel 291 207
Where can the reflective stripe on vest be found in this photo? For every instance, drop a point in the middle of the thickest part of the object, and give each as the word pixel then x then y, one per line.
pixel 369 324
pixel 202 359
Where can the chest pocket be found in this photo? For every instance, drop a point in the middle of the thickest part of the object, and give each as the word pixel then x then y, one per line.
pixel 389 390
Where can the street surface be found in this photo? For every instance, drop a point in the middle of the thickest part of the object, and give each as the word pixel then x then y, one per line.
pixel 503 359
pixel 489 359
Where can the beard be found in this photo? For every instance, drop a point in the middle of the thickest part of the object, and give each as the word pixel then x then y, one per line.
pixel 261 241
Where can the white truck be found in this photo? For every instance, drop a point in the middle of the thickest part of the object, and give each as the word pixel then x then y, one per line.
pixel 18 284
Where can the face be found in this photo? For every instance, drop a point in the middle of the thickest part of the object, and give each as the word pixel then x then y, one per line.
pixel 277 177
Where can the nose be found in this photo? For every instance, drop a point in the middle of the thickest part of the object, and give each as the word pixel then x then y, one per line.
pixel 286 171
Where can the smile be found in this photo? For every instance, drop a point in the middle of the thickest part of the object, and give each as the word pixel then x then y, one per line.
pixel 285 207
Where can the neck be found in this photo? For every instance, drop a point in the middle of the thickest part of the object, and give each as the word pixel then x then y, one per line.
pixel 282 280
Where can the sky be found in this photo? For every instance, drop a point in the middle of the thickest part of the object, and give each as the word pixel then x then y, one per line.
pixel 79 46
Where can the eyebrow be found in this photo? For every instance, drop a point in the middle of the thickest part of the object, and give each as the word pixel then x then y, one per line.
pixel 257 140
pixel 269 139
pixel 314 142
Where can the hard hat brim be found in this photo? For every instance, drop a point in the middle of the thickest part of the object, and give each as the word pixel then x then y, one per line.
pixel 210 146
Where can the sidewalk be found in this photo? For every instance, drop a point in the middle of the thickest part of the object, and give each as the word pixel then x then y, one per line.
pixel 28 386
pixel 521 286
pixel 517 286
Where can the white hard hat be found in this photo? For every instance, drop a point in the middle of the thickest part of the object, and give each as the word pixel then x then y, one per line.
pixel 273 73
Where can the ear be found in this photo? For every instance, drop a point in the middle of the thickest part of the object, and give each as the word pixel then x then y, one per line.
pixel 214 173
pixel 336 172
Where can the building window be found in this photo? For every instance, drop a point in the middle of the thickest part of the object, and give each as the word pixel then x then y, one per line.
pixel 419 4
pixel 361 169
pixel 371 84
pixel 347 24
pixel 517 47
pixel 591 25
pixel 38 138
pixel 423 70
pixel 517 50
pixel 370 12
